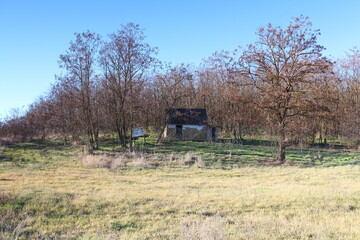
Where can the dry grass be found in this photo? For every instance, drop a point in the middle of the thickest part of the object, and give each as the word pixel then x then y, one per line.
pixel 141 160
pixel 211 228
pixel 87 199
pixel 247 203
pixel 114 162
pixel 187 159
pixel 101 161
pixel 12 223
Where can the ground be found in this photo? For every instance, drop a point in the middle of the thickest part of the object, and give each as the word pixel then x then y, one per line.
pixel 191 190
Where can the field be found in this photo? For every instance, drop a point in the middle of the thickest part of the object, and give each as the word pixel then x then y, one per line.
pixel 179 190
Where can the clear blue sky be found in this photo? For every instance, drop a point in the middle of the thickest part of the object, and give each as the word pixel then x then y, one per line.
pixel 33 33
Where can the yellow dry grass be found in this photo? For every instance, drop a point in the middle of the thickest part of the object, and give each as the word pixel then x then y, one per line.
pixel 77 201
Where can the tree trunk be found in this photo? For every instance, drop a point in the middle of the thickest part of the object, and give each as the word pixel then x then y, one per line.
pixel 75 138
pixel 43 136
pixel 96 138
pixel 313 138
pixel 281 153
pixel 161 134
pixel 124 134
pixel 90 142
pixel 163 128
pixel 120 135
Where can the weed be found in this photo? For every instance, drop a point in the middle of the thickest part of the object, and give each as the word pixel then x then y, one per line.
pixel 199 162
pixel 101 161
pixel 188 158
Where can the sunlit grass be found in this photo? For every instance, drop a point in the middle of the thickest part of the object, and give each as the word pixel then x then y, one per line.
pixel 52 194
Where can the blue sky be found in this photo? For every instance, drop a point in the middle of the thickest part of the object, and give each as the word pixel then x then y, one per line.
pixel 34 33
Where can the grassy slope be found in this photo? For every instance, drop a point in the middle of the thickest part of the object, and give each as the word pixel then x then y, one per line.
pixel 46 193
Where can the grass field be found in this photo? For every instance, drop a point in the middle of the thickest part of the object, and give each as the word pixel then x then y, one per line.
pixel 181 190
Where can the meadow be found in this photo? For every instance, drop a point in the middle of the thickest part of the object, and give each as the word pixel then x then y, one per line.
pixel 178 190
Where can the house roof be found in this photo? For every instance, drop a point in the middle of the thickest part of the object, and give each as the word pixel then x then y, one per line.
pixel 191 116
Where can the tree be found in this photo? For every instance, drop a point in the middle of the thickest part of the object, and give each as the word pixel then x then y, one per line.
pixel 124 60
pixel 348 72
pixel 228 102
pixel 80 80
pixel 65 114
pixel 281 66
pixel 169 90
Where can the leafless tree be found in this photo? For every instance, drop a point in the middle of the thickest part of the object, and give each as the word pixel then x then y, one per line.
pixel 79 81
pixel 169 89
pixel 281 66
pixel 124 60
pixel 348 71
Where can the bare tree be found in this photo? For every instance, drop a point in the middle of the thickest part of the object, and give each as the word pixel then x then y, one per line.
pixel 348 72
pixel 280 84
pixel 80 79
pixel 124 59
pixel 280 65
pixel 228 100
pixel 172 88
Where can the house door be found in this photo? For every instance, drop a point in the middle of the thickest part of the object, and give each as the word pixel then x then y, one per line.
pixel 213 134
pixel 179 130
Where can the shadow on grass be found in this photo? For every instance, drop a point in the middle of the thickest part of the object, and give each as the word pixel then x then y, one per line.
pixel 215 155
pixel 2 158
pixel 39 145
pixel 263 153
pixel 255 142
pixel 40 152
pixel 328 146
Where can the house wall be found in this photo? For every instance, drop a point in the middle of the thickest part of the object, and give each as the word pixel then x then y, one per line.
pixel 208 135
pixel 189 132
pixel 215 134
pixel 212 134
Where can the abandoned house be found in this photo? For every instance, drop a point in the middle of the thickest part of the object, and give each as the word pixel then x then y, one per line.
pixel 189 124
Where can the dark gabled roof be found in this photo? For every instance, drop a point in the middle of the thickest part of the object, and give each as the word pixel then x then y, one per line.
pixel 192 116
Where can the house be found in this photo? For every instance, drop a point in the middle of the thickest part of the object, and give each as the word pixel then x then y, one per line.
pixel 189 124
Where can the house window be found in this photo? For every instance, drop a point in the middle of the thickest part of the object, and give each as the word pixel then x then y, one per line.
pixel 179 130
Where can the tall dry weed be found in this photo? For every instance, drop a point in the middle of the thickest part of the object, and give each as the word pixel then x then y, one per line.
pixel 118 162
pixel 171 158
pixel 134 159
pixel 139 161
pixel 188 158
pixel 100 161
pixel 114 162
pixel 199 162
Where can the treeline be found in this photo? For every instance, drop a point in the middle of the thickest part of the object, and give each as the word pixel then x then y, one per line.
pixel 281 85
